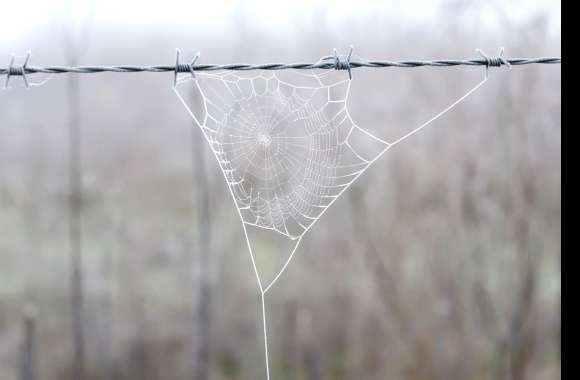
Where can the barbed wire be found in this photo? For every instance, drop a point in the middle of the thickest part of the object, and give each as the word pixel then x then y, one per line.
pixel 335 62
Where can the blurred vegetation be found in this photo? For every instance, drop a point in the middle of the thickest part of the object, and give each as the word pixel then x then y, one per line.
pixel 441 262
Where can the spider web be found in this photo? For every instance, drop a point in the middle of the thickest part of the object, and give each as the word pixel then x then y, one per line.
pixel 287 148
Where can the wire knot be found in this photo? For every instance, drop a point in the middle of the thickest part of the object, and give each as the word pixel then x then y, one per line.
pixel 496 61
pixel 341 62
pixel 184 68
pixel 17 70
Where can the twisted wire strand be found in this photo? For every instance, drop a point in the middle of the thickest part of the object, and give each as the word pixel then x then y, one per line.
pixel 186 68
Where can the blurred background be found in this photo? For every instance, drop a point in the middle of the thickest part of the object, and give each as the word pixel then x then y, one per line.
pixel 121 253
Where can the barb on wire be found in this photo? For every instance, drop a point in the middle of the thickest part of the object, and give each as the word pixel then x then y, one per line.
pixel 335 62
pixel 179 68
pixel 494 61
pixel 17 70
pixel 340 62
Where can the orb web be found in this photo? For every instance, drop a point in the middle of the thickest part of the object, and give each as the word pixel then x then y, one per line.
pixel 287 150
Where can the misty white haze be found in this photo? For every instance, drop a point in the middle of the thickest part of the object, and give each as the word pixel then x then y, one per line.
pixel 122 256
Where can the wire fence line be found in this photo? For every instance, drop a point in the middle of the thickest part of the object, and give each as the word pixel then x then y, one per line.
pixel 335 62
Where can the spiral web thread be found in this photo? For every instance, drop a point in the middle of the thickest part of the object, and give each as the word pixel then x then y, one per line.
pixel 287 148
